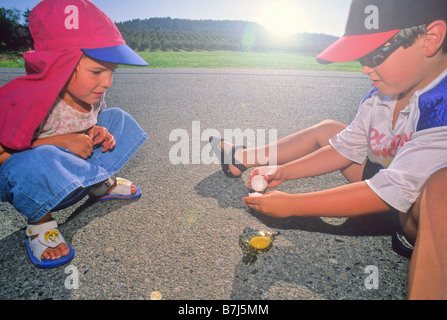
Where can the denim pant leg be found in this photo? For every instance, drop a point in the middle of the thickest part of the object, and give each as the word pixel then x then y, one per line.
pixel 48 178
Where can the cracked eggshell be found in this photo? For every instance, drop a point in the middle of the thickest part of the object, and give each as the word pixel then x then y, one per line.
pixel 259 184
pixel 267 171
pixel 255 194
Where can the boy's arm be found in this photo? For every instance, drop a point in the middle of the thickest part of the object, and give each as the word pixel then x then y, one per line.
pixel 322 161
pixel 345 201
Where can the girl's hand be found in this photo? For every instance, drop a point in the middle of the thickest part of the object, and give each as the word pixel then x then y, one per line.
pixel 273 175
pixel 101 135
pixel 275 204
pixel 4 154
pixel 78 143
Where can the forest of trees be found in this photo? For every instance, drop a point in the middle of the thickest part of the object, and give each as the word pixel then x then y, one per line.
pixel 167 34
pixel 14 33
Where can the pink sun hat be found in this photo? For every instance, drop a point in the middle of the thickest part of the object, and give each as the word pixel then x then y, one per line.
pixel 63 30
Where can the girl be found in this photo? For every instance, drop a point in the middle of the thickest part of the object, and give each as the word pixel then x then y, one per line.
pixel 58 143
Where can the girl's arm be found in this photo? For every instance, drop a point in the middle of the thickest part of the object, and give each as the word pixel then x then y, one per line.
pixel 78 143
pixel 3 155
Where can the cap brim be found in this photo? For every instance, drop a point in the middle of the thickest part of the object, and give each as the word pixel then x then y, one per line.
pixel 122 54
pixel 352 47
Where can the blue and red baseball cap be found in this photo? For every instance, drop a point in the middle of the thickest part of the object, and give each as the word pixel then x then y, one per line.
pixel 371 23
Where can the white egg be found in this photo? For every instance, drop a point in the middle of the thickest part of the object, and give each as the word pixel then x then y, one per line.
pixel 259 184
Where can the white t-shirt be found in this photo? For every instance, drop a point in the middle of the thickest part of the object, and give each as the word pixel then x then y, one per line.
pixel 410 152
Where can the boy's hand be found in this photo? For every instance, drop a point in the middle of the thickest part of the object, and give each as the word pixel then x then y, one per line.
pixel 275 204
pixel 101 135
pixel 273 175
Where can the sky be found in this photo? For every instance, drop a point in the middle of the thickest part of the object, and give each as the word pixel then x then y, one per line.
pixel 281 16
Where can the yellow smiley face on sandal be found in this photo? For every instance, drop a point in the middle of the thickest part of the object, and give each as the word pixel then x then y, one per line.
pixel 52 236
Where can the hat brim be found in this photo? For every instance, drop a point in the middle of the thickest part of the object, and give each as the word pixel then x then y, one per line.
pixel 121 54
pixel 353 47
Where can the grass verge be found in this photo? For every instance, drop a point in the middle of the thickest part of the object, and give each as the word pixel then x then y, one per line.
pixel 225 60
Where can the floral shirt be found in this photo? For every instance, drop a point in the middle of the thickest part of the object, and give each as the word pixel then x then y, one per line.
pixel 64 119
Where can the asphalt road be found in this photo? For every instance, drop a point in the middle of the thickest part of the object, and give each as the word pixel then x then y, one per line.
pixel 181 237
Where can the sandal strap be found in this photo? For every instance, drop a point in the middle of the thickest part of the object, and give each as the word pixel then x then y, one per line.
pixel 235 162
pixel 123 187
pixel 102 188
pixel 32 230
pixel 227 158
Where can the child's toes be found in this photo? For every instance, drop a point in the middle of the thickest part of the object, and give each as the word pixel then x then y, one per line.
pixel 64 250
pixel 56 253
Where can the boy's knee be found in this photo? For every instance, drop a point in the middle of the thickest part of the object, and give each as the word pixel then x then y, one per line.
pixel 433 193
pixel 332 125
pixel 438 180
pixel 436 187
pixel 329 122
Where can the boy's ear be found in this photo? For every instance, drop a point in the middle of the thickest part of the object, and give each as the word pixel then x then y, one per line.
pixel 434 37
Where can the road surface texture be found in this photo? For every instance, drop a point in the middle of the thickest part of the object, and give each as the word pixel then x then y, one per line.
pixel 180 239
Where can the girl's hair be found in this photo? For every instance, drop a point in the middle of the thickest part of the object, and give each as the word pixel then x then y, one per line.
pixel 409 35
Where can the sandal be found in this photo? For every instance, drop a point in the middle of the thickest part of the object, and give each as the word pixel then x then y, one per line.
pixel 48 237
pixel 399 241
pixel 122 191
pixel 215 144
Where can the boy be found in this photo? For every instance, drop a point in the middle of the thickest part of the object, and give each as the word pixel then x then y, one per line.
pixel 394 153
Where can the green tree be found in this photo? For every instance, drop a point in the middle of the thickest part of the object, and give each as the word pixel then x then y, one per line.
pixel 14 34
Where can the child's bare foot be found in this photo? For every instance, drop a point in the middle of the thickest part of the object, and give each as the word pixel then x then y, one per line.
pixel 50 253
pixel 133 189
pixel 56 253
pixel 118 189
pixel 51 235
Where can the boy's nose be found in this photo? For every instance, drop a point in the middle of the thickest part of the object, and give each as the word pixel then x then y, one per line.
pixel 366 69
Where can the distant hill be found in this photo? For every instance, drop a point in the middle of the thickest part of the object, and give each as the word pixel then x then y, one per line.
pixel 169 34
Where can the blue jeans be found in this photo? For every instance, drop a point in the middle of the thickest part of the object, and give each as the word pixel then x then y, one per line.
pixel 50 178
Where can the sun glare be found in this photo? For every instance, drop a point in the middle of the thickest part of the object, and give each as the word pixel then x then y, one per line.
pixel 282 17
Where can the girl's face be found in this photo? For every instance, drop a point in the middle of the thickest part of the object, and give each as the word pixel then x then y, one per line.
pixel 88 83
